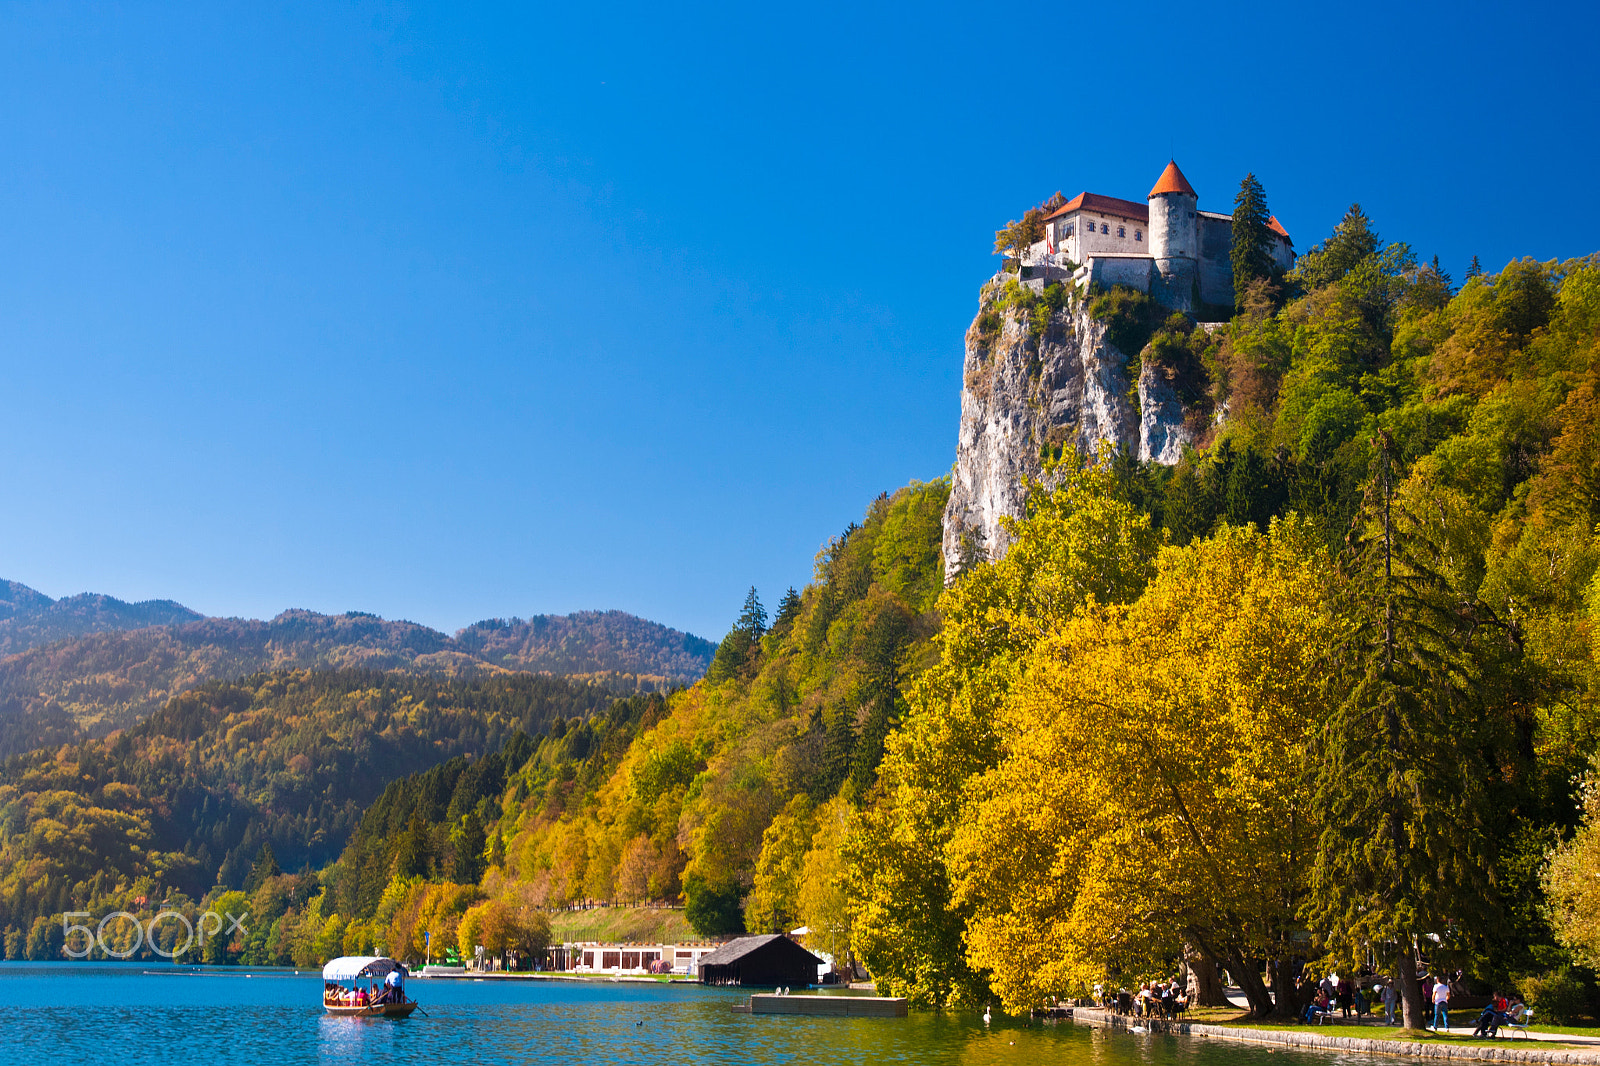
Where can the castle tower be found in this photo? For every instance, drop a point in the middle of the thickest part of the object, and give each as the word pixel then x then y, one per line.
pixel 1175 240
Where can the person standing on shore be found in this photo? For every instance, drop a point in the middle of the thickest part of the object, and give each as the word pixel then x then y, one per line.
pixel 1390 998
pixel 1441 999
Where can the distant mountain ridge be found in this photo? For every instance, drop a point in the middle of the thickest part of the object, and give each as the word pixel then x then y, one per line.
pixel 29 618
pixel 89 664
pixel 615 641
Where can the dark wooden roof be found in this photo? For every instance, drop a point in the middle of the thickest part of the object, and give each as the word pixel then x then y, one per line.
pixel 735 950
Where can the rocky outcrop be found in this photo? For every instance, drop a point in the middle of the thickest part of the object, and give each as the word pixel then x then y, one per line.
pixel 1033 380
pixel 1026 389
pixel 1163 429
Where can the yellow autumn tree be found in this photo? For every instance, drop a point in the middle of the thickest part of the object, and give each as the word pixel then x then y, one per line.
pixel 823 892
pixel 1148 793
pixel 773 906
pixel 1080 543
pixel 1572 880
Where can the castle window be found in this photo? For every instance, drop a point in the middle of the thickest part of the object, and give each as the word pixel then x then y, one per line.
pixel 1122 231
pixel 1138 236
pixel 1105 227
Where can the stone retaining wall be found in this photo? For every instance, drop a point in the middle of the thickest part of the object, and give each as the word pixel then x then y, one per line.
pixel 1522 1051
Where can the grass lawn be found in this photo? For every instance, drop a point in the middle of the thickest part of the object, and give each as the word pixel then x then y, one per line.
pixel 1567 1030
pixel 639 925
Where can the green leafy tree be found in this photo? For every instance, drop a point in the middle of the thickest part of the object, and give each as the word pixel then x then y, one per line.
pixel 711 909
pixel 774 902
pixel 1252 239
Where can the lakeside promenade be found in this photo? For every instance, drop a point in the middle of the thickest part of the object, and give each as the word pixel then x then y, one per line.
pixel 1569 1049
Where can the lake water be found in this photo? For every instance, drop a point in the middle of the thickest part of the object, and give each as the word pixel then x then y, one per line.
pixel 128 1015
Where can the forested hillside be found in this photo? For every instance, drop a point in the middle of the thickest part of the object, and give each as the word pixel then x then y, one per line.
pixel 589 642
pixel 108 680
pixel 731 796
pixel 186 799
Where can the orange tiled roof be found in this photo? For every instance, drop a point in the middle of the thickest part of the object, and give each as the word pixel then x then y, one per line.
pixel 1172 180
pixel 1277 227
pixel 1105 205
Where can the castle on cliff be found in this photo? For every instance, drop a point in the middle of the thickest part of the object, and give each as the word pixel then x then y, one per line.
pixel 1165 247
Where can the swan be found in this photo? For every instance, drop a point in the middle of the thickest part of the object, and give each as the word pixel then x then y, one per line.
pixel 986 1016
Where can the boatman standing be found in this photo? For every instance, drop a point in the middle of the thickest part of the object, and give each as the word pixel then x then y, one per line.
pixel 396 983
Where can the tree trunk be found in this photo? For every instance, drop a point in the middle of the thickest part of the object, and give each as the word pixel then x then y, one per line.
pixel 1205 987
pixel 1249 978
pixel 1414 1011
pixel 1286 997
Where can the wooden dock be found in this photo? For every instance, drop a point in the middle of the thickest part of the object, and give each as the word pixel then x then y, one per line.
pixel 831 1006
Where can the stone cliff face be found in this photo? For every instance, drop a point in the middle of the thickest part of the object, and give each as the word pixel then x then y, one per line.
pixel 1163 433
pixel 1026 389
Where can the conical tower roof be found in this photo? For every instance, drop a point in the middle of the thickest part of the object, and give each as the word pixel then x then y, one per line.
pixel 1172 180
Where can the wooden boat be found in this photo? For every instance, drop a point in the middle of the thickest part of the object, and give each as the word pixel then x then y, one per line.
pixel 372 1010
pixel 386 1003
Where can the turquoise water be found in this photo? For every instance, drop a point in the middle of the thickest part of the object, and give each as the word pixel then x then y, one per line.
pixel 128 1015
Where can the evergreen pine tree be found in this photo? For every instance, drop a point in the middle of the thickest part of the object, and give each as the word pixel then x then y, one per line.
pixel 1252 239
pixel 788 610
pixel 1351 241
pixel 412 854
pixel 1444 275
pixel 1474 269
pixel 753 616
pixel 1405 763
pixel 742 641
pixel 469 843
pixel 266 866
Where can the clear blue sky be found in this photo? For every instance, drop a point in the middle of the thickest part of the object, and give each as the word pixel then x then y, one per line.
pixel 448 312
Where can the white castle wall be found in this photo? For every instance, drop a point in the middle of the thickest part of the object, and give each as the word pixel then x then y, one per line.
pixel 1173 233
pixel 1133 271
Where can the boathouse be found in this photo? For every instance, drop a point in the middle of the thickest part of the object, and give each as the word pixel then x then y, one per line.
pixel 773 959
